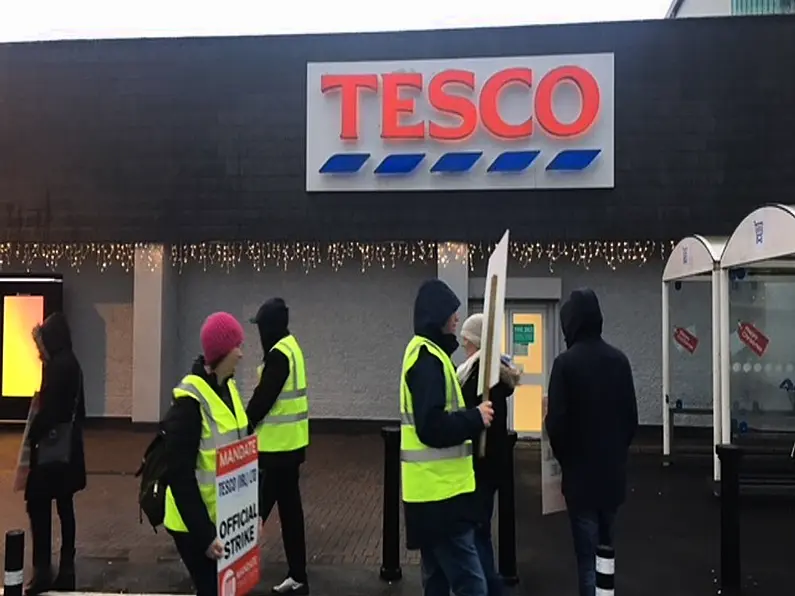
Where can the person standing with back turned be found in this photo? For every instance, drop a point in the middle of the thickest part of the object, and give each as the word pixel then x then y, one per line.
pixel 436 432
pixel 591 420
pixel 279 411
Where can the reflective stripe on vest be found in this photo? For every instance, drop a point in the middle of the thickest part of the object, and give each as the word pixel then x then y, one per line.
pixel 429 474
pixel 220 426
pixel 286 426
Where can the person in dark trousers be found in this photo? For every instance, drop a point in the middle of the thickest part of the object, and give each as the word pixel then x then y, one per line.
pixel 591 420
pixel 437 475
pixel 206 413
pixel 278 412
pixel 61 399
pixel 491 469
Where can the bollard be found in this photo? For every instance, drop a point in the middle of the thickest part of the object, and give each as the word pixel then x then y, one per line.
pixel 390 543
pixel 15 563
pixel 506 519
pixel 730 574
pixel 605 571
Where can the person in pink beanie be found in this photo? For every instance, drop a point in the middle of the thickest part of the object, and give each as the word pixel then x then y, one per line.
pixel 206 413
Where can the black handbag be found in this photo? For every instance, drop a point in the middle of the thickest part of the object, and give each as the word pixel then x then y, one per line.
pixel 56 447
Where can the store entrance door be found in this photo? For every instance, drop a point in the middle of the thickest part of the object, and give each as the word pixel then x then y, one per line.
pixel 530 334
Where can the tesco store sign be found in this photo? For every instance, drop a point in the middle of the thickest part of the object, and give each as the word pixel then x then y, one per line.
pixel 463 124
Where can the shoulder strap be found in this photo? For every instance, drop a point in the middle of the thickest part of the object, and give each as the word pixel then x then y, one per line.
pixel 77 393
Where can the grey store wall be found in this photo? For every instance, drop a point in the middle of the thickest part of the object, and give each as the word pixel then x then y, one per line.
pixel 353 327
pixel 99 309
pixel 631 305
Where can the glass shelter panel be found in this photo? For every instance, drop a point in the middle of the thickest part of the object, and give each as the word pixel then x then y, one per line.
pixel 690 337
pixel 762 351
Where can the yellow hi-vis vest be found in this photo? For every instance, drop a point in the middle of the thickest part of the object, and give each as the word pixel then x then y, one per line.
pixel 286 427
pixel 220 427
pixel 429 474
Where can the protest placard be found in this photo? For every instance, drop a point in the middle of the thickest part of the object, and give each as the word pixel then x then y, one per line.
pixel 552 500
pixel 237 517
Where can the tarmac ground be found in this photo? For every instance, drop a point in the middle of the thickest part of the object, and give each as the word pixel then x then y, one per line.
pixel 667 537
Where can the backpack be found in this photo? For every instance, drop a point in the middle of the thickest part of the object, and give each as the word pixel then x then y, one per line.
pixel 152 490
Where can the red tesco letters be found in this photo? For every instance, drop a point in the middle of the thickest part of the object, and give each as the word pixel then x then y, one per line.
pixel 452 92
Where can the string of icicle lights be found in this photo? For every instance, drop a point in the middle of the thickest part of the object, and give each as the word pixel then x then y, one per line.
pixel 311 255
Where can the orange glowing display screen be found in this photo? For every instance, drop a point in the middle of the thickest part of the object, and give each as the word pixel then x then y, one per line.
pixel 21 364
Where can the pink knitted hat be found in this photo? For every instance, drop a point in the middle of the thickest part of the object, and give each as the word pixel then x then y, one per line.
pixel 220 334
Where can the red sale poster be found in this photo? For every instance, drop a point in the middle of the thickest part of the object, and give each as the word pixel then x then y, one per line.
pixel 752 337
pixel 686 339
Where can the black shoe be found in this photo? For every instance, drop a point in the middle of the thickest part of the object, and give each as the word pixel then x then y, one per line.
pixel 65 581
pixel 290 586
pixel 41 582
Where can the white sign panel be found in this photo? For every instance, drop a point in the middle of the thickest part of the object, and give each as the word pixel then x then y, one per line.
pixel 491 340
pixel 552 500
pixel 237 516
pixel 518 122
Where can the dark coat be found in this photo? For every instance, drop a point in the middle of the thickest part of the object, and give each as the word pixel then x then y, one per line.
pixel 272 321
pixel 491 470
pixel 61 395
pixel 182 428
pixel 426 523
pixel 592 413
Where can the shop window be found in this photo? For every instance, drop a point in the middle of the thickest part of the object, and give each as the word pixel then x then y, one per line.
pixel 761 7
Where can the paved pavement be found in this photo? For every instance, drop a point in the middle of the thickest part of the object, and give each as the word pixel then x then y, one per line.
pixel 667 536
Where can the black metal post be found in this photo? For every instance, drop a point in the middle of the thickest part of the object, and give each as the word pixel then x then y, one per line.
pixel 15 563
pixel 730 574
pixel 605 570
pixel 506 520
pixel 390 541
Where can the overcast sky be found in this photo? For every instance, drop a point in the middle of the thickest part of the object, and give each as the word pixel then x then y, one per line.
pixel 96 19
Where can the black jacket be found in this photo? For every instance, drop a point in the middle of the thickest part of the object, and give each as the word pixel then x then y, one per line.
pixel 183 431
pixel 592 413
pixel 427 522
pixel 490 471
pixel 60 396
pixel 272 321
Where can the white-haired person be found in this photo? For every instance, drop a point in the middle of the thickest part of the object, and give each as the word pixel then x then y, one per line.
pixel 490 470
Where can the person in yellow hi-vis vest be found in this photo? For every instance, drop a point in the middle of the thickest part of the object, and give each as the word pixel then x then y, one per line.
pixel 279 413
pixel 437 477
pixel 206 413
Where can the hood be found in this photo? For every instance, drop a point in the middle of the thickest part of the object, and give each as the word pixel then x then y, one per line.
pixel 434 305
pixel 272 320
pixel 55 335
pixel 581 317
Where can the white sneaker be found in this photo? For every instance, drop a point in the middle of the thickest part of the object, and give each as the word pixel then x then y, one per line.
pixel 290 586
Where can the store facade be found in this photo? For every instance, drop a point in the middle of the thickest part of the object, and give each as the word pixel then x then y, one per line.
pixel 196 169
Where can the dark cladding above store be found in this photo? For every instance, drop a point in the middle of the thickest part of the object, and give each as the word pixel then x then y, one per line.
pixel 226 139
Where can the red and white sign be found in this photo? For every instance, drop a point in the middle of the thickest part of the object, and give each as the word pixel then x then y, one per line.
pixel 686 339
pixel 237 517
pixel 480 114
pixel 753 338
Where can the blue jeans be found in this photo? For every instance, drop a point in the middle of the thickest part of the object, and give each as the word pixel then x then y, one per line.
pixel 453 565
pixel 589 530
pixel 483 543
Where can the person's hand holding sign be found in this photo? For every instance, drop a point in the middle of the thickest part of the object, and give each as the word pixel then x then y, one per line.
pixel 216 550
pixel 486 412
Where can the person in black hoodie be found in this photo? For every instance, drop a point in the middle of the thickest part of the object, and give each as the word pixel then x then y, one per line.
pixel 591 420
pixel 442 529
pixel 491 469
pixel 205 400
pixel 61 399
pixel 279 468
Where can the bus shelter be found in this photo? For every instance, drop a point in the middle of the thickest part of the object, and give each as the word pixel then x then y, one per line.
pixel 757 342
pixel 693 259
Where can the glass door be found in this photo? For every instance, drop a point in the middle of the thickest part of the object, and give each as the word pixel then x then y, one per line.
pixel 530 338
